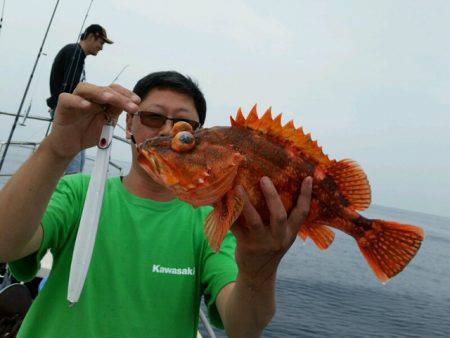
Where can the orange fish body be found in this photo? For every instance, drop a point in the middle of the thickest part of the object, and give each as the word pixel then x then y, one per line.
pixel 203 167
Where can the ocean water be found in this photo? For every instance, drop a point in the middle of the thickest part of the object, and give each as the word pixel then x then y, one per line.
pixel 334 293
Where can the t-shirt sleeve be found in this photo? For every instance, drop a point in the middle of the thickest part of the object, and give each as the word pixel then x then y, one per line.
pixel 62 214
pixel 219 269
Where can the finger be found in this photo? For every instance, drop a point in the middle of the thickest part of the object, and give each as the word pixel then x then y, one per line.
pixel 72 102
pixel 277 211
pixel 105 96
pixel 124 91
pixel 77 107
pixel 249 212
pixel 300 212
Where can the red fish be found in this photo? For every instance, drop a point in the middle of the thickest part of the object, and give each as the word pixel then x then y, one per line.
pixel 203 168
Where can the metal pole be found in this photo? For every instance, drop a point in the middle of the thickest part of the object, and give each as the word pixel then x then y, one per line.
pixel 26 89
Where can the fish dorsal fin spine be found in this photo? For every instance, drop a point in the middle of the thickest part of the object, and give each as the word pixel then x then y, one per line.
pixel 287 133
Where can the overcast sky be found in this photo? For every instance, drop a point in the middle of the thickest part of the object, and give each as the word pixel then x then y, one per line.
pixel 370 80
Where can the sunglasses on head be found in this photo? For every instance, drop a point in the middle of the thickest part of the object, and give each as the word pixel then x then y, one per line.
pixel 155 120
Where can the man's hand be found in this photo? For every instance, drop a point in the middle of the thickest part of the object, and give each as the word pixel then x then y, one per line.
pixel 260 247
pixel 80 116
pixel 248 305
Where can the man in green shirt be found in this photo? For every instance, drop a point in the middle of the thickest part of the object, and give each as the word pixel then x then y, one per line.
pixel 151 262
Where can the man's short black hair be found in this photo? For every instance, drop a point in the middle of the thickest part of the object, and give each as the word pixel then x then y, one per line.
pixel 174 81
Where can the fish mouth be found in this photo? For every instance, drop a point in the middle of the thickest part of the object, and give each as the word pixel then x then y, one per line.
pixel 198 190
pixel 157 167
pixel 193 191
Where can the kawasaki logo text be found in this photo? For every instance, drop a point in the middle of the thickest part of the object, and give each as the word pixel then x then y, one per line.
pixel 173 271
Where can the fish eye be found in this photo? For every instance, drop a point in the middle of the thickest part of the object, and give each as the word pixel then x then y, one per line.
pixel 183 141
pixel 181 126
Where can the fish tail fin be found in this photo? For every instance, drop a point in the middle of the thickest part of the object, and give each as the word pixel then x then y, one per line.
pixel 389 246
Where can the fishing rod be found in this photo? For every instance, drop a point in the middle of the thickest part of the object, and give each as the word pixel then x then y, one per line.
pixel 27 88
pixel 72 80
pixel 67 75
pixel 3 14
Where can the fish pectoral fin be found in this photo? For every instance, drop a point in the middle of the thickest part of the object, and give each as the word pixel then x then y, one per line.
pixel 208 193
pixel 303 233
pixel 320 234
pixel 352 183
pixel 220 220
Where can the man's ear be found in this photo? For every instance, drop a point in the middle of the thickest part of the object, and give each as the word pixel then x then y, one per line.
pixel 129 123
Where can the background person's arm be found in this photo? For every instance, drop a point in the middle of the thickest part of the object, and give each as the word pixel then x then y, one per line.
pixel 78 123
pixel 72 68
pixel 59 74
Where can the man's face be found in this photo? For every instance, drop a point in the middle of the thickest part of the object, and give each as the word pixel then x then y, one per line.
pixel 95 44
pixel 164 102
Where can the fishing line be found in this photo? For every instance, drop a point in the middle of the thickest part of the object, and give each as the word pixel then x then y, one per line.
pixel 120 127
pixel 3 14
pixel 120 73
pixel 114 80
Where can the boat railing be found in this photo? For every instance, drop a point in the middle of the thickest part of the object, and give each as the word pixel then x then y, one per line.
pixel 32 146
pixel 31 117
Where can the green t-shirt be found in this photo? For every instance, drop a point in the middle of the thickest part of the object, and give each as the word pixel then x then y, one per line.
pixel 150 266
